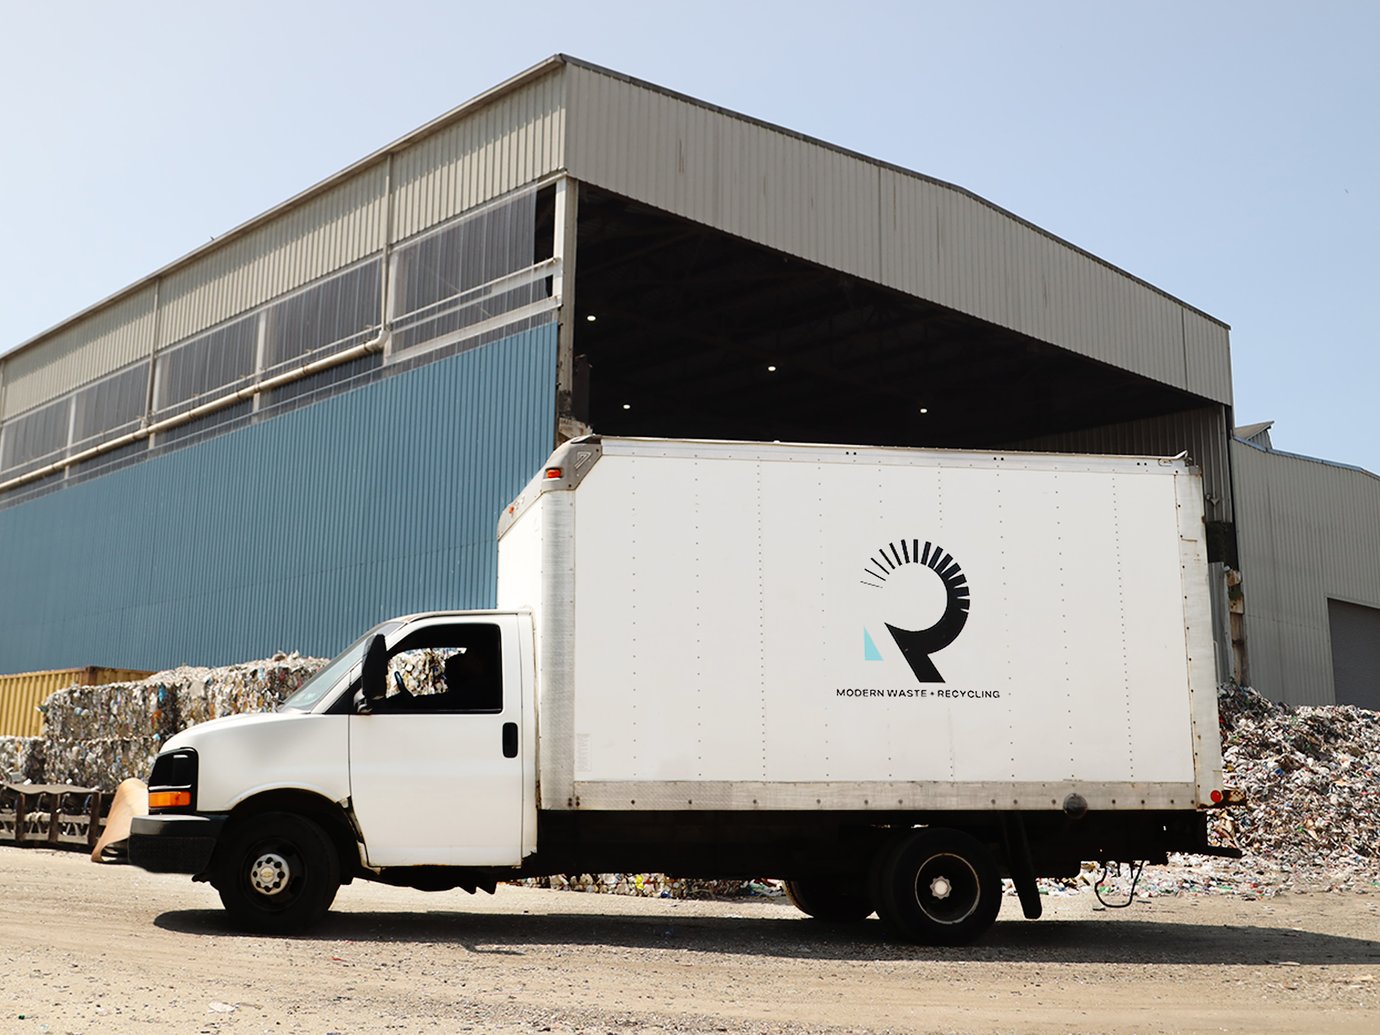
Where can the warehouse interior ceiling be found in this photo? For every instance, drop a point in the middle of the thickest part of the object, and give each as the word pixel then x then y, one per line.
pixel 685 331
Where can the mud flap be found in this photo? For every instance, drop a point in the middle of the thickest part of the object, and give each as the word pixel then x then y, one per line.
pixel 1020 865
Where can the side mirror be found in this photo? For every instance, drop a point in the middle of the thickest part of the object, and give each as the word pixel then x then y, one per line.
pixel 374 674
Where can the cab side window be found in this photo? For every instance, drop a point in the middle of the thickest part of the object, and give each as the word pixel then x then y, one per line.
pixel 446 669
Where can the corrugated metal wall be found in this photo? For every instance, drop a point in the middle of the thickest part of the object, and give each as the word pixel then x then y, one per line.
pixel 900 229
pixel 1307 531
pixel 516 139
pixel 295 533
pixel 317 237
pixel 105 341
pixel 21 694
pixel 1202 432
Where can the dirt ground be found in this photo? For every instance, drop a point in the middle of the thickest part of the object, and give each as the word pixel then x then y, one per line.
pixel 112 949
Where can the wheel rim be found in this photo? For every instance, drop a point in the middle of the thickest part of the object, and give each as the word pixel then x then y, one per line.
pixel 273 874
pixel 947 888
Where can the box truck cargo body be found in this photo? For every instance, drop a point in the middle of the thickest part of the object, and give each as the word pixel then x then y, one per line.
pixel 888 675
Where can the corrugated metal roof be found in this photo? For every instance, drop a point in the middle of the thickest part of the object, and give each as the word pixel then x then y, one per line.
pixel 1249 431
pixel 874 220
pixel 81 352
pixel 773 185
pixel 460 111
pixel 879 163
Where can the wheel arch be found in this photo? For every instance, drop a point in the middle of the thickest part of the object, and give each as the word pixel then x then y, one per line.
pixel 329 815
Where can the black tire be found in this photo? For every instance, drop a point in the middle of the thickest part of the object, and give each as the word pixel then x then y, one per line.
pixel 938 887
pixel 835 901
pixel 276 873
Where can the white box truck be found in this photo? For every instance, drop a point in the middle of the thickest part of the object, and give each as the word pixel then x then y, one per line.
pixel 889 676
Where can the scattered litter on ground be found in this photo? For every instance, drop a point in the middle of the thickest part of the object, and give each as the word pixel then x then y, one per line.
pixel 658 885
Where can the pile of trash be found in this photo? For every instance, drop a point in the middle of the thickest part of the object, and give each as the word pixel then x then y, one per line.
pixel 1312 815
pixel 96 736
pixel 1311 821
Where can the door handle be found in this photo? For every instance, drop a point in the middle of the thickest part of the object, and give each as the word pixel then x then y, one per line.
pixel 510 740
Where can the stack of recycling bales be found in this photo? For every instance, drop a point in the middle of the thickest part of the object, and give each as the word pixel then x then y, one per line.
pixel 21 759
pixel 203 694
pixel 96 736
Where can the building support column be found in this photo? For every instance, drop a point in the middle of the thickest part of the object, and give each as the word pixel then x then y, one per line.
pixel 568 423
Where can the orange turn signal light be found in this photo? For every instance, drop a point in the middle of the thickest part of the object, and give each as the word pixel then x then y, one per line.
pixel 554 472
pixel 169 799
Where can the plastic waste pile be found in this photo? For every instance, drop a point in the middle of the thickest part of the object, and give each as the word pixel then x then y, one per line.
pixel 1311 775
pixel 96 736
pixel 1312 782
pixel 1311 821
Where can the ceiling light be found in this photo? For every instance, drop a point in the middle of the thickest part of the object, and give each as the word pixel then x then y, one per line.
pixel 627 406
pixel 771 368
pixel 924 409
pixel 591 318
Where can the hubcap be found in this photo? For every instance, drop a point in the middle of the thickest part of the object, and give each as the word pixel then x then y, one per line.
pixel 947 888
pixel 270 873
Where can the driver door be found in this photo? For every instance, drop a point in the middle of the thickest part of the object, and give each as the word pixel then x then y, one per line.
pixel 435 768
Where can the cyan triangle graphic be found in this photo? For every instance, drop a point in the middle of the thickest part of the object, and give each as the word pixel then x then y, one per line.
pixel 870 651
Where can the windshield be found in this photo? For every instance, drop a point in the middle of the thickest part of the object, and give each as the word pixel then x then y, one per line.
pixel 319 685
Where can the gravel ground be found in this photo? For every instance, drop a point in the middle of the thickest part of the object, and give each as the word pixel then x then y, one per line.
pixel 89 948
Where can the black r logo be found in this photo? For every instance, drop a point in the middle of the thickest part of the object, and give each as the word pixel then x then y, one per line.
pixel 918 644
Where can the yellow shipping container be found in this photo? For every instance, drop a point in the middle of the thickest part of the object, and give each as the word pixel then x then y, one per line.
pixel 20 695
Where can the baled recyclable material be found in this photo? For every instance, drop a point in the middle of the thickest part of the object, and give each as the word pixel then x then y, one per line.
pixel 100 735
pixel 21 759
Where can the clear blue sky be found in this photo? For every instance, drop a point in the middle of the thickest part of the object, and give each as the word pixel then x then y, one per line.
pixel 1228 152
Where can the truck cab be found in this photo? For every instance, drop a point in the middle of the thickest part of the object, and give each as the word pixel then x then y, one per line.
pixel 409 759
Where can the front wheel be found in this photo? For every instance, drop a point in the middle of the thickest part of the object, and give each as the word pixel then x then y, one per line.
pixel 277 873
pixel 938 887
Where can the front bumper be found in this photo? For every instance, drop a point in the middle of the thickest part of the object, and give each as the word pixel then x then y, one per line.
pixel 174 843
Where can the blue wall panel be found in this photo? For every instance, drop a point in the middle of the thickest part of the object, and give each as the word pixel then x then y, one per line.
pixel 296 533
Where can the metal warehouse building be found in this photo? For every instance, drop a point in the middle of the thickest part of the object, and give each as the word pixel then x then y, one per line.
pixel 312 422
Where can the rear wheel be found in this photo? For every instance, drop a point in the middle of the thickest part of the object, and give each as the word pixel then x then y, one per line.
pixel 938 887
pixel 830 899
pixel 277 873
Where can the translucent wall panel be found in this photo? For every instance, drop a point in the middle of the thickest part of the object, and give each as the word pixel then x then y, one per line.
pixel 338 312
pixel 110 407
pixel 206 366
pixel 35 438
pixel 452 278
